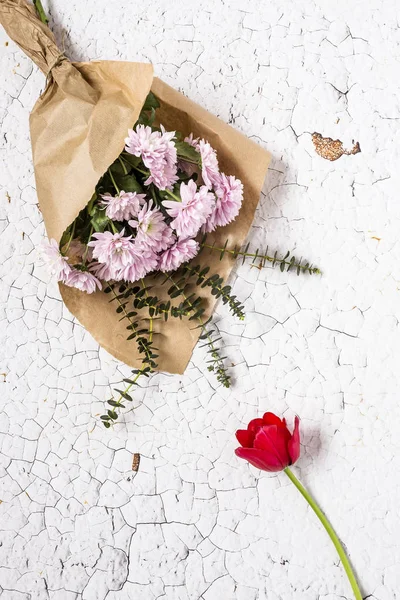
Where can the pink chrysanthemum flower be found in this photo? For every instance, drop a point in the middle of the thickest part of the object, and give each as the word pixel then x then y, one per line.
pixel 157 152
pixel 124 206
pixel 113 249
pixel 104 272
pixel 192 140
pixel 192 212
pixel 82 280
pixel 229 192
pixel 144 143
pixel 182 251
pixel 209 163
pixel 152 230
pixel 58 263
pixel 144 262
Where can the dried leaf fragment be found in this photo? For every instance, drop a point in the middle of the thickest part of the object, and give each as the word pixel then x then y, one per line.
pixel 136 462
pixel 332 149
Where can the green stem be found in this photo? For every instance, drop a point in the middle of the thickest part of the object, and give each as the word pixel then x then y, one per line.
pixel 331 532
pixel 123 165
pixel 147 173
pixel 128 387
pixel 151 320
pixel 153 195
pixel 113 181
pixel 71 236
pixel 87 247
pixel 40 11
pixel 173 195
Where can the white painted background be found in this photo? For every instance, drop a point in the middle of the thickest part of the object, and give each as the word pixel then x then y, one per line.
pixel 195 522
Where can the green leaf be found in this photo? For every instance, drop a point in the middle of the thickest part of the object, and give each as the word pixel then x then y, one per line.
pixel 117 169
pixel 106 424
pixel 186 152
pixel 124 395
pixel 99 218
pixel 114 403
pixel 134 161
pixel 128 183
pixel 151 102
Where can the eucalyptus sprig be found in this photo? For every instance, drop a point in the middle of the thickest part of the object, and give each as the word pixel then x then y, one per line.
pixel 260 258
pixel 144 340
pixel 216 362
pixel 215 282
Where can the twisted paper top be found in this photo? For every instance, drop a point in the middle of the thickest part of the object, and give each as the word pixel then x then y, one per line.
pixel 24 27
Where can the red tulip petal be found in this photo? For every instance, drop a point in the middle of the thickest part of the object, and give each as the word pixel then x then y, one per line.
pixel 270 419
pixel 274 440
pixel 255 425
pixel 294 442
pixel 245 438
pixel 260 459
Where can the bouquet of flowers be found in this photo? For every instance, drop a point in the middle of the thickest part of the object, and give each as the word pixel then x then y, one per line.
pixel 150 214
pixel 147 200
pixel 147 210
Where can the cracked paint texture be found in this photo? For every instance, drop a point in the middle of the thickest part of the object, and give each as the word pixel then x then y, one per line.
pixel 195 523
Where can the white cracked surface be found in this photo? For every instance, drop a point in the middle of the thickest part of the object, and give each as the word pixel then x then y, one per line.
pixel 195 522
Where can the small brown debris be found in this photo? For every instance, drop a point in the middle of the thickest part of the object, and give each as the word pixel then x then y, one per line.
pixel 6 43
pixel 23 235
pixel 373 237
pixel 332 149
pixel 4 375
pixel 8 197
pixel 135 462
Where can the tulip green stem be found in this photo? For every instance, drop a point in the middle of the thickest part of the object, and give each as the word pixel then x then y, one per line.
pixel 331 532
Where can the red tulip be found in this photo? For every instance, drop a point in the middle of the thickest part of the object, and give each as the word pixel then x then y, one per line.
pixel 268 444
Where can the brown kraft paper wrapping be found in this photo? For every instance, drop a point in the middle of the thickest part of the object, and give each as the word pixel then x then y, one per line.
pixel 78 127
